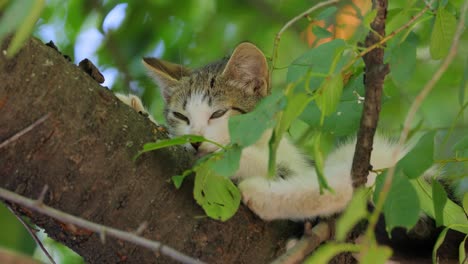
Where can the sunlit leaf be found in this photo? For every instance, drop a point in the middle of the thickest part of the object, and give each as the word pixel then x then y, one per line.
pixel 442 33
pixel 355 212
pixel 420 158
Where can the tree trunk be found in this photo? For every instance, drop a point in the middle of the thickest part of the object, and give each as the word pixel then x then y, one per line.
pixel 84 151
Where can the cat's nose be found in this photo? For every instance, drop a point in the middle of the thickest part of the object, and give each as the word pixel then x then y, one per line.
pixel 196 145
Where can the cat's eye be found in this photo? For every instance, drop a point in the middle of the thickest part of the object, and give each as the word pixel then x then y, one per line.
pixel 181 117
pixel 218 114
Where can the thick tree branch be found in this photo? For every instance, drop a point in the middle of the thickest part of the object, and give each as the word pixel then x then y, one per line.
pixel 375 74
pixel 84 151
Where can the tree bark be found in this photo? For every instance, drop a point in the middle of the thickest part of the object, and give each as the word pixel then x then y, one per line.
pixel 84 151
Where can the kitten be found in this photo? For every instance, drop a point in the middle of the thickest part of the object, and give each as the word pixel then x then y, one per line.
pixel 201 101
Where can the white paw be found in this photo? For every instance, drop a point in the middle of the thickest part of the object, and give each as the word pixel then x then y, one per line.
pixel 256 195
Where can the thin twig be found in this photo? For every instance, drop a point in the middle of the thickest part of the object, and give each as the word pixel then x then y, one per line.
pixel 32 233
pixel 40 199
pixel 288 24
pixel 24 131
pixel 307 244
pixel 101 229
pixel 413 110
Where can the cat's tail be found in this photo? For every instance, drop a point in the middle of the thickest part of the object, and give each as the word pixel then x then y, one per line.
pixel 298 196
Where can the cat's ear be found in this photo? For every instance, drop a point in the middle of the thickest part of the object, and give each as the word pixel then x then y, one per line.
pixel 248 67
pixel 166 74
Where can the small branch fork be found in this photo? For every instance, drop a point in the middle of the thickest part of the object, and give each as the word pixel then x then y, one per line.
pixel 32 232
pixel 40 207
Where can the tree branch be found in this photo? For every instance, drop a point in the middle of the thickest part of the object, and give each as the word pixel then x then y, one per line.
pixel 84 152
pixel 375 74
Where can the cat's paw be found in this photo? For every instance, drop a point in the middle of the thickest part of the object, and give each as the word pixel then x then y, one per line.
pixel 255 194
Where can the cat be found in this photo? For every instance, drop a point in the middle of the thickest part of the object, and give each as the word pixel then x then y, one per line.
pixel 201 101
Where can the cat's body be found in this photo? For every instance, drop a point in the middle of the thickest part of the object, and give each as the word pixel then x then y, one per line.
pixel 201 101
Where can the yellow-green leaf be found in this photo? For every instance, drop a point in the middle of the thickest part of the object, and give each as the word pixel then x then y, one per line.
pixel 217 195
pixel 329 94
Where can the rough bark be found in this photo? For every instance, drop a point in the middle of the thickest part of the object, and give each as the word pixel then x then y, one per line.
pixel 84 151
pixel 376 71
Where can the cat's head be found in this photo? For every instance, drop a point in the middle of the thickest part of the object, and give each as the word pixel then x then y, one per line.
pixel 201 101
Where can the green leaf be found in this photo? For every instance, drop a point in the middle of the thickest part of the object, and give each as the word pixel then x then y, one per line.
pixel 442 33
pixel 227 162
pixel 327 251
pixel 296 103
pixel 453 214
pixel 369 17
pixel 319 163
pixel 317 60
pixel 26 28
pixel 420 158
pixel 327 13
pixel 462 252
pixel 355 211
pixel 376 254
pixel 13 16
pixel 438 243
pixel 401 208
pixel 320 32
pixel 247 129
pixel 345 121
pixel 403 60
pixel 329 94
pixel 439 199
pixel 217 195
pixel 465 202
pixel 462 144
pixel 173 142
pixel 178 179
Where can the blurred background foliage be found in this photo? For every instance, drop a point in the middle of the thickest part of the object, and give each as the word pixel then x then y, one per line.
pixel 116 34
